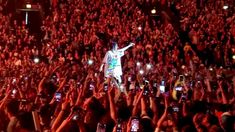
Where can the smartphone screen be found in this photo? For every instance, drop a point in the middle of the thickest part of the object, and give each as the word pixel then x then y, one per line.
pixel 58 96
pixel 176 109
pixel 105 87
pixel 134 125
pixel 13 92
pixel 75 117
pixel 129 79
pixel 13 81
pixel 91 86
pixel 181 78
pixel 162 89
pixel 119 127
pixel 155 85
pixel 179 88
pixel 101 127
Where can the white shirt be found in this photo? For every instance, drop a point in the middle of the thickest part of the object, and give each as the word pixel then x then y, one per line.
pixel 112 61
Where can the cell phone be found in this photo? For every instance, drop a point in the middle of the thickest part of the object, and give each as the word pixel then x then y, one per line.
pixel 137 87
pixel 162 89
pixel 14 91
pixel 146 91
pixel 155 85
pixel 75 117
pixel 163 83
pixel 181 78
pixel 129 79
pixel 101 127
pixel 105 87
pixel 91 86
pixel 175 109
pixel 178 88
pixel 146 82
pixel 13 81
pixel 183 97
pixel 78 84
pixel 58 96
pixel 191 84
pixel 135 125
pixel 119 127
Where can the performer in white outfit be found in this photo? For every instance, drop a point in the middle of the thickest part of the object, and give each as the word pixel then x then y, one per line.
pixel 112 62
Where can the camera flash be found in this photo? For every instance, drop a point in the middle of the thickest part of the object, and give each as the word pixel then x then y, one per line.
pixel 141 72
pixel 225 7
pixel 148 66
pixel 153 11
pixel 90 62
pixel 36 60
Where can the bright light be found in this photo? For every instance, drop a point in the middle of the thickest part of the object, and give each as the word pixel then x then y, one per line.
pixel 234 57
pixel 148 66
pixel 26 18
pixel 139 28
pixel 28 6
pixel 36 60
pixel 138 63
pixel 153 11
pixel 141 72
pixel 183 66
pixel 225 7
pixel 90 62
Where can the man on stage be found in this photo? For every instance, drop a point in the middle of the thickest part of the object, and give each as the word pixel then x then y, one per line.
pixel 112 63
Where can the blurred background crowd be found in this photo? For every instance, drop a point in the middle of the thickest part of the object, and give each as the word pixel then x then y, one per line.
pixel 179 76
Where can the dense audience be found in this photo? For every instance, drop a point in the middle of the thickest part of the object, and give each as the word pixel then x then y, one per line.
pixel 174 79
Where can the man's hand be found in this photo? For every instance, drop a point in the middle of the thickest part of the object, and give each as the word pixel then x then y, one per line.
pixel 132 44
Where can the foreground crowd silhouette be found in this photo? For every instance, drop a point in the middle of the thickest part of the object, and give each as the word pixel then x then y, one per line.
pixel 173 80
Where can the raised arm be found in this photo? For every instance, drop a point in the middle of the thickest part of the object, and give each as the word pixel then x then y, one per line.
pixel 113 112
pixel 127 47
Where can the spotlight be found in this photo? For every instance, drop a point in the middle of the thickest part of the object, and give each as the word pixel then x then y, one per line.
pixel 28 6
pixel 36 60
pixel 138 63
pixel 90 62
pixel 139 28
pixel 225 7
pixel 183 66
pixel 153 11
pixel 141 72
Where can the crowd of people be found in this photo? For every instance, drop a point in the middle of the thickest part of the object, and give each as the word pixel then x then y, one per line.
pixel 173 80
